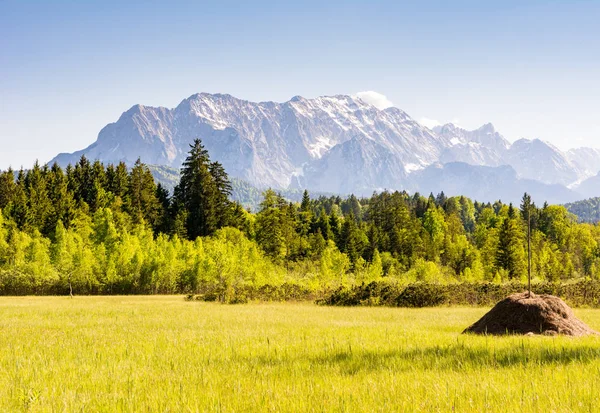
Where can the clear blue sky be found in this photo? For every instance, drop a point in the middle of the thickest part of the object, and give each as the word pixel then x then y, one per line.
pixel 67 68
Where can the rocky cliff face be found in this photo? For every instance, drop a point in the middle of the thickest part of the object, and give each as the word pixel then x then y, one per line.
pixel 269 143
pixel 337 144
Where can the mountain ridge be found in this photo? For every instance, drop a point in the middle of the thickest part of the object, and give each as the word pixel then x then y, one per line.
pixel 336 144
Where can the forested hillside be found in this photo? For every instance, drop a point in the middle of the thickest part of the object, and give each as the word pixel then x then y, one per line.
pixel 248 195
pixel 97 228
pixel 587 210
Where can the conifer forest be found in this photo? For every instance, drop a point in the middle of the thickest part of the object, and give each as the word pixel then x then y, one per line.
pixel 108 229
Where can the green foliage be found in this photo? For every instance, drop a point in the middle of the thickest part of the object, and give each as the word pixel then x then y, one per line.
pixel 142 202
pixel 352 240
pixel 109 229
pixel 425 294
pixel 196 193
pixel 425 271
pixel 510 252
pixel 586 211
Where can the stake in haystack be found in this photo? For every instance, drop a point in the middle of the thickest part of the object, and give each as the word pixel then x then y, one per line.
pixel 528 313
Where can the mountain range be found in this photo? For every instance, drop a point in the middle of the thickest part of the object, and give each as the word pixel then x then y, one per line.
pixel 342 144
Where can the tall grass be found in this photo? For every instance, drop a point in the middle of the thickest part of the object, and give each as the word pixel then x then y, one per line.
pixel 161 353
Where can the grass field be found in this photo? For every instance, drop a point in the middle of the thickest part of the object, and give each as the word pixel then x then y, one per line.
pixel 164 354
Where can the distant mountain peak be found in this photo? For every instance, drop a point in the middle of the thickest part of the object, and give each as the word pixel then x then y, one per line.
pixel 337 143
pixel 448 128
pixel 488 128
pixel 267 143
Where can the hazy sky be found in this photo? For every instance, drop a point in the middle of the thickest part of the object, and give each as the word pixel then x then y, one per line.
pixel 67 68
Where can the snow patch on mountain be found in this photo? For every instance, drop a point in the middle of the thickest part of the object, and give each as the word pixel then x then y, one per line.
pixel 269 143
pixel 321 145
pixel 337 144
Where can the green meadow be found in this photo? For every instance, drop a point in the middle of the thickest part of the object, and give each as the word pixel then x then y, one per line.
pixel 163 354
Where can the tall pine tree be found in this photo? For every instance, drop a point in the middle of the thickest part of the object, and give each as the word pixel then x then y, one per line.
pixel 7 187
pixel 202 195
pixel 510 254
pixel 142 203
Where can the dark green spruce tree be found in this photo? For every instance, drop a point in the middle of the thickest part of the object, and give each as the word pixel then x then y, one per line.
pixel 81 181
pixel 18 208
pixel 352 239
pixel 142 203
pixel 117 179
pixel 7 187
pixel 510 254
pixel 223 190
pixel 40 206
pixel 61 199
pixel 202 195
pixel 164 220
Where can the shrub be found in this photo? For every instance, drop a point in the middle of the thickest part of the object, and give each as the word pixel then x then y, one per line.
pixel 422 295
pixel 581 293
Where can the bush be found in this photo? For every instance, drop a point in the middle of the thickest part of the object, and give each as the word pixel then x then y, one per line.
pixel 422 295
pixel 578 294
pixel 244 293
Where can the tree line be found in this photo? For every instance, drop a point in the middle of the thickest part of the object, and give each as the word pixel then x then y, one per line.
pixel 111 229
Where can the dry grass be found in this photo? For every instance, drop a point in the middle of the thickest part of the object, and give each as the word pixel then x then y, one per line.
pixel 525 313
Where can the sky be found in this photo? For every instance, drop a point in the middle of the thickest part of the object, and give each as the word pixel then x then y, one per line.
pixel 68 68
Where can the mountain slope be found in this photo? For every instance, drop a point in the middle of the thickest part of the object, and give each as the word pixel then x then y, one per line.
pixel 587 210
pixel 483 146
pixel 541 161
pixel 265 143
pixel 142 131
pixel 337 144
pixel 531 159
pixel 590 187
pixel 487 184
pixel 359 165
pixel 587 160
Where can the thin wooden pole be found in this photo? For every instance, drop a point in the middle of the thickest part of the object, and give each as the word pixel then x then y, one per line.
pixel 529 251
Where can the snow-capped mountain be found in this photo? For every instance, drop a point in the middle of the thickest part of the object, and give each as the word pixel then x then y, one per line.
pixel 354 166
pixel 587 160
pixel 267 143
pixel 338 144
pixel 531 159
pixel 541 161
pixel 483 146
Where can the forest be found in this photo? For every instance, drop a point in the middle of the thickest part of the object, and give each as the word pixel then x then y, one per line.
pixel 109 229
pixel 587 210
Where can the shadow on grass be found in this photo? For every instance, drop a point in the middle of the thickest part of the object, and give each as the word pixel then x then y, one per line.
pixel 453 357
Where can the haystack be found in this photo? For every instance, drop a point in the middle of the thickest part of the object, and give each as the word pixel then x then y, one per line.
pixel 536 314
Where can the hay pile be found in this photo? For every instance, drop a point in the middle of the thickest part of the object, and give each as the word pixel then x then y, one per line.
pixel 535 314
